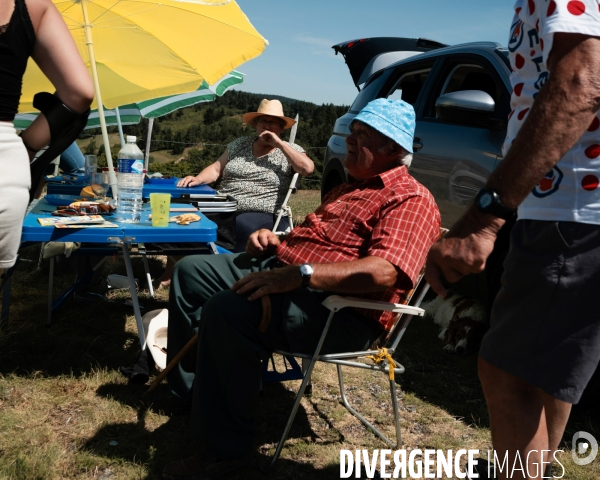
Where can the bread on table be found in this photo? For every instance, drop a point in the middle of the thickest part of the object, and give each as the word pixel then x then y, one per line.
pixel 87 192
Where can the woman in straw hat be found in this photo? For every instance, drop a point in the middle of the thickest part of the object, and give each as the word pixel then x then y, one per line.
pixel 257 170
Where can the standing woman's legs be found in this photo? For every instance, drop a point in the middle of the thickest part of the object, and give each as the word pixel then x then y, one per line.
pixel 14 193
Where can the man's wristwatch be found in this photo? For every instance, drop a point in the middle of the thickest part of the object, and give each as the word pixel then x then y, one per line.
pixel 488 201
pixel 306 270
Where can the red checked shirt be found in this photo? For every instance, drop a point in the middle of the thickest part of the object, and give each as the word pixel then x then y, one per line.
pixel 390 215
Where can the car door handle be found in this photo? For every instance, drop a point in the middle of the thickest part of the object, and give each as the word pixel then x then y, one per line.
pixel 417 144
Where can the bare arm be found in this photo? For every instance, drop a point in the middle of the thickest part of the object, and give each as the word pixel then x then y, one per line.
pixel 58 58
pixel 563 110
pixel 369 274
pixel 300 162
pixel 209 175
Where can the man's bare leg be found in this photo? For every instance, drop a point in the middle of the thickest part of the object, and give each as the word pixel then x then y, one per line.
pixel 523 418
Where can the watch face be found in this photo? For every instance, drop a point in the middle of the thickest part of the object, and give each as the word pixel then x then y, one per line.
pixel 306 269
pixel 485 200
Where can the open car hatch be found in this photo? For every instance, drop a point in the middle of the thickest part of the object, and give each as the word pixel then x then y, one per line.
pixel 366 56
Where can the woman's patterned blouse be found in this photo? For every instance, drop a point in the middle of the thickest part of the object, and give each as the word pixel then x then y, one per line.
pixel 258 184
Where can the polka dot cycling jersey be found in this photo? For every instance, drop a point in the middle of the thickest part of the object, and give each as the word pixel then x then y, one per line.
pixel 570 191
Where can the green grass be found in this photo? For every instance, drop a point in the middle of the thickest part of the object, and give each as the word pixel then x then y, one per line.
pixel 304 202
pixel 64 404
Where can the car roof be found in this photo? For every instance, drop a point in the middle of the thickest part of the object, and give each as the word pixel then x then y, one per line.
pixel 471 47
pixel 461 48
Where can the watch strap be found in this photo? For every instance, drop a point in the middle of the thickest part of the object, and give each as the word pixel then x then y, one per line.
pixel 495 207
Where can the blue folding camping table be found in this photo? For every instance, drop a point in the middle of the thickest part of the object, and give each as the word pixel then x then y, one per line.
pixel 72 185
pixel 124 236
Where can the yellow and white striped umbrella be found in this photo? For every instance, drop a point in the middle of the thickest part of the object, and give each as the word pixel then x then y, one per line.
pixel 138 50
pixel 146 49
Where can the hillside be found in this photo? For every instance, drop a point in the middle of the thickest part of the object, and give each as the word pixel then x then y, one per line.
pixel 186 141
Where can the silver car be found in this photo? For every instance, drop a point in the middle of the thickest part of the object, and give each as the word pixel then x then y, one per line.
pixel 461 97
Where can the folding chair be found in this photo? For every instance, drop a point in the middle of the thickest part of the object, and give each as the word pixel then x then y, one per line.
pixel 293 189
pixel 381 351
pixel 291 369
pixel 285 208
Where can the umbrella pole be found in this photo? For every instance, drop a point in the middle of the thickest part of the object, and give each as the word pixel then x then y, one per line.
pixel 148 137
pixel 120 127
pixel 112 178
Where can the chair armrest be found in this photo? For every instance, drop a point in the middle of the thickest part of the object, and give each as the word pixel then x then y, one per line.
pixel 337 302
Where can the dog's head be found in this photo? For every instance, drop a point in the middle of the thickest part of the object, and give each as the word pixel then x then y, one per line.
pixel 463 335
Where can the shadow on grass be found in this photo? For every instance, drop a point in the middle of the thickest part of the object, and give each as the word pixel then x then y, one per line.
pixel 172 440
pixel 84 334
pixel 438 377
pixel 451 382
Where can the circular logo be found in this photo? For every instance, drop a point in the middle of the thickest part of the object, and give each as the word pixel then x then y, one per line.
pixel 584 442
pixel 549 184
pixel 516 35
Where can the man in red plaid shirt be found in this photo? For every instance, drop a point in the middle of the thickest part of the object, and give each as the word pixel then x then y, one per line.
pixel 369 239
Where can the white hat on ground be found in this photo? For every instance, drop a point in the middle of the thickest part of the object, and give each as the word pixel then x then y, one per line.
pixel 155 327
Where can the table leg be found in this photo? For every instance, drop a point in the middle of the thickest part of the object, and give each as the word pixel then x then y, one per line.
pixel 134 297
pixel 142 249
pixel 41 257
pixel 50 288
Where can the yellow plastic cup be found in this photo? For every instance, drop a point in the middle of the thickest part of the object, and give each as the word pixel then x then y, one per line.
pixel 160 204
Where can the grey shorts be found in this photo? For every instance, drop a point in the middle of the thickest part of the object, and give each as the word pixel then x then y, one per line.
pixel 545 322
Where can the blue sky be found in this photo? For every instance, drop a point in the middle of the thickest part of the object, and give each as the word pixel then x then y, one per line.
pixel 299 62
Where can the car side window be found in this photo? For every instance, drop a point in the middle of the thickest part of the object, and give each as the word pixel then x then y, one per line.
pixel 409 86
pixel 469 76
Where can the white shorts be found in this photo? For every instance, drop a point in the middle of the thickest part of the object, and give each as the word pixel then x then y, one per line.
pixel 15 180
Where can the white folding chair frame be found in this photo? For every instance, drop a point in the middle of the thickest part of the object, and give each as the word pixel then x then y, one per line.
pixel 285 208
pixel 335 303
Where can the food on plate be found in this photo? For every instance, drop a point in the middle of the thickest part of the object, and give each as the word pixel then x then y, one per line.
pixel 99 190
pixel 84 208
pixel 106 207
pixel 185 219
pixel 93 191
pixel 87 192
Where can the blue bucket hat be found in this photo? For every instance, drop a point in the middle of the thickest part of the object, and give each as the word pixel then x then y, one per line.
pixel 393 118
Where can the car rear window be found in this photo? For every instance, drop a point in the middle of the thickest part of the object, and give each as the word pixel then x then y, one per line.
pixel 370 91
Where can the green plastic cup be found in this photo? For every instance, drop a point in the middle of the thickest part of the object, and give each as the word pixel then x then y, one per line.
pixel 160 204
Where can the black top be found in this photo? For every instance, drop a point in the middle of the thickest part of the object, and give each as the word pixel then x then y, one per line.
pixel 16 44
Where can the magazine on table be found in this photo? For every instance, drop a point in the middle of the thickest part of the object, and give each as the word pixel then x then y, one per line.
pixel 86 221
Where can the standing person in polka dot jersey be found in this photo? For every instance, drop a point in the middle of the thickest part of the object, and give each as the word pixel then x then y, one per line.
pixel 544 340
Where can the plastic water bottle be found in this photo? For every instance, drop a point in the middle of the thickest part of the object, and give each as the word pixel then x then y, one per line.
pixel 130 182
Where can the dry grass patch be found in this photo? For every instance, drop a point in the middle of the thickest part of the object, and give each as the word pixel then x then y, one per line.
pixel 67 413
pixel 304 202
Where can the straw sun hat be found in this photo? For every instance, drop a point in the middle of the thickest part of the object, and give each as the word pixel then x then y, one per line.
pixel 269 107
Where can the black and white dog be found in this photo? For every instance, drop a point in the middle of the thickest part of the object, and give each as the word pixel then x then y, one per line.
pixel 462 321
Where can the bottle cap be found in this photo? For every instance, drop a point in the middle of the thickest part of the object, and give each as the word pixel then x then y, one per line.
pixel 131 138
